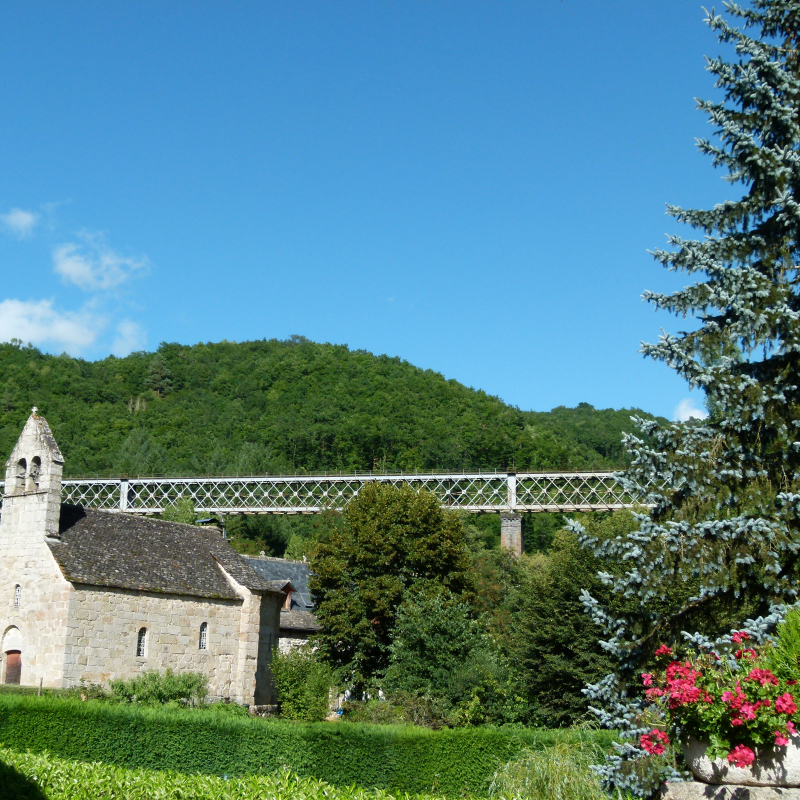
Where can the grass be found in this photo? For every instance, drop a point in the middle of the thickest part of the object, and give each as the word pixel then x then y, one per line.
pixel 560 772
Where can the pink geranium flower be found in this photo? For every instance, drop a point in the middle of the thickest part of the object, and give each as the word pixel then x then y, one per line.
pixel 740 637
pixel 763 676
pixel 785 704
pixel 663 650
pixel 780 739
pixel 647 679
pixel 741 756
pixel 654 742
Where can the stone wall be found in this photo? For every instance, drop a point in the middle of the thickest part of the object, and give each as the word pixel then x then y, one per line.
pixel 290 639
pixel 104 624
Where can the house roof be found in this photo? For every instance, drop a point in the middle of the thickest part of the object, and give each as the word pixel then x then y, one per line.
pixel 299 617
pixel 295 620
pixel 127 551
pixel 282 569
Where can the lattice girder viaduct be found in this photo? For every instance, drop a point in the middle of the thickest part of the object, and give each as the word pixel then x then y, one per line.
pixel 477 492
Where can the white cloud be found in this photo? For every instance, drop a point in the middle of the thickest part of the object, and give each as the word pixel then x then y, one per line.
pixel 92 265
pixel 37 322
pixel 687 409
pixel 130 336
pixel 19 222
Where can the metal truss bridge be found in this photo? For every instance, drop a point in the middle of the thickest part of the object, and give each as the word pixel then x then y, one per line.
pixel 493 492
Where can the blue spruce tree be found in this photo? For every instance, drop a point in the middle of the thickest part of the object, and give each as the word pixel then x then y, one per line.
pixel 721 545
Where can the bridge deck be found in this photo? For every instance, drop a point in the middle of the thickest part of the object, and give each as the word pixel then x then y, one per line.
pixel 492 492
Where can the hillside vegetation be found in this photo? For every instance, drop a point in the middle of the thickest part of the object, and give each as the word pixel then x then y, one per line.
pixel 282 407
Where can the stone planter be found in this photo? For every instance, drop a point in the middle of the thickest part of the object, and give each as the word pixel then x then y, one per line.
pixel 772 767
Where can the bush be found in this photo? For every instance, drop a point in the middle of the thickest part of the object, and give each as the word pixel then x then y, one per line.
pixel 561 772
pixel 783 655
pixel 303 684
pixel 395 758
pixel 155 688
pixel 401 708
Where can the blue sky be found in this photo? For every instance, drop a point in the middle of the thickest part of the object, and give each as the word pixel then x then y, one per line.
pixel 472 186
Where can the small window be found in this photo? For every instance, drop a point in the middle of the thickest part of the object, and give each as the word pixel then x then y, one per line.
pixel 17 595
pixel 204 636
pixel 141 640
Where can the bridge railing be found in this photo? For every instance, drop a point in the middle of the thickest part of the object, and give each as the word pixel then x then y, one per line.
pixel 469 491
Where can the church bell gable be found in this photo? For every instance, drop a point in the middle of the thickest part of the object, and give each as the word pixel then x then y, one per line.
pixel 33 476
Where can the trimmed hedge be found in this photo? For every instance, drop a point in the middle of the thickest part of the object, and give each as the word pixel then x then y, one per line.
pixel 394 758
pixel 25 776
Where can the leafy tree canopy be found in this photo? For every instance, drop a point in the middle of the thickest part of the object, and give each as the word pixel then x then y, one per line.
pixel 392 541
pixel 281 407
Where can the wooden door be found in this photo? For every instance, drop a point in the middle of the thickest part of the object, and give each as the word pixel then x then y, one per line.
pixel 13 666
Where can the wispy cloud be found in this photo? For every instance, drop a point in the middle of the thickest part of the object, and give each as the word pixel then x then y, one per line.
pixel 687 409
pixel 19 222
pixel 37 322
pixel 92 265
pixel 130 336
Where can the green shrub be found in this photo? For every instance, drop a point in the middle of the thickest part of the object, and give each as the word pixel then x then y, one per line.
pixel 395 758
pixel 783 656
pixel 38 777
pixel 560 772
pixel 182 511
pixel 400 708
pixel 303 684
pixel 156 688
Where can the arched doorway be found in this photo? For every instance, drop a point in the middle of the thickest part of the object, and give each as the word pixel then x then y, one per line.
pixel 12 655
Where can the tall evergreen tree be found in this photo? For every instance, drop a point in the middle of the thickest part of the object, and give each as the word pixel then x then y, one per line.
pixel 725 492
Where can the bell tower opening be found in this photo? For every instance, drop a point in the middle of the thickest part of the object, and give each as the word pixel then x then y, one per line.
pixel 19 476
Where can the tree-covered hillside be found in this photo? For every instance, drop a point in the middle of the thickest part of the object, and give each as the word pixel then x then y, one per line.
pixel 284 406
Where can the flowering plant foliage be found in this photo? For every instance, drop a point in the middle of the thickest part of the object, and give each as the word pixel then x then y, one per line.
pixel 737 709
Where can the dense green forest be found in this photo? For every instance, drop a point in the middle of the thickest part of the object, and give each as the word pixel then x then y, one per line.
pixel 284 407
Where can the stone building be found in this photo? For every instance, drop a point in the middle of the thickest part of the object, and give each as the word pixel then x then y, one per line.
pixel 92 595
pixel 297 620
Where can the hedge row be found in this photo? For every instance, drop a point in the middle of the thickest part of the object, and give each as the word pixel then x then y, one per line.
pixel 25 776
pixel 393 758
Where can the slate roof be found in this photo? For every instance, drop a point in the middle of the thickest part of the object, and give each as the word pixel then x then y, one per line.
pixel 299 617
pixel 281 569
pixel 295 620
pixel 126 551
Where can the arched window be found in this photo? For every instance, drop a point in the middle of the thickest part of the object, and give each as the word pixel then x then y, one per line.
pixel 141 641
pixel 204 636
pixel 19 478
pixel 17 595
pixel 33 473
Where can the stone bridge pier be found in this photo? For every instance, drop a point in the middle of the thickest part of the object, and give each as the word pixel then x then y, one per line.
pixel 511 532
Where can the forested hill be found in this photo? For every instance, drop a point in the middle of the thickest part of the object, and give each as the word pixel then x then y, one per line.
pixel 284 406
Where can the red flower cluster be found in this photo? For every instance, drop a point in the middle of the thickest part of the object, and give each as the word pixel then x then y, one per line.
pixel 785 704
pixel 740 636
pixel 681 686
pixel 763 676
pixel 654 742
pixel 741 756
pixel 663 650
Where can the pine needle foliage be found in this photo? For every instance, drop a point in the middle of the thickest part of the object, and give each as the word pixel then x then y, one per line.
pixel 725 491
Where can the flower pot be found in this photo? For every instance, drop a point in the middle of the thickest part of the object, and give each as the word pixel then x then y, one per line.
pixel 773 766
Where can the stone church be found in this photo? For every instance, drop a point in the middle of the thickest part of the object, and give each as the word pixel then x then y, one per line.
pixel 93 595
